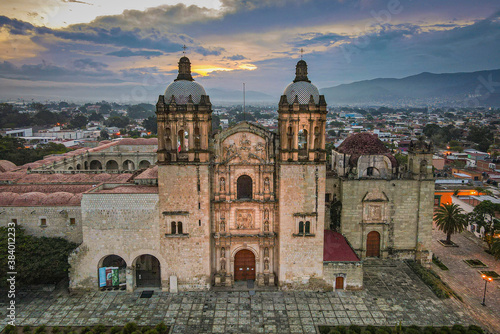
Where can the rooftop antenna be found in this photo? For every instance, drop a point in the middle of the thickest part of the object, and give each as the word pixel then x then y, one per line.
pixel 184 47
pixel 244 114
pixel 301 53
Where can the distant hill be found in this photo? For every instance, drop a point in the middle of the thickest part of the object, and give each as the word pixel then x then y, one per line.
pixel 423 88
pixel 236 96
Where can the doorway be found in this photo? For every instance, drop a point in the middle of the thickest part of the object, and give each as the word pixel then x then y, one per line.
pixel 339 283
pixel 373 244
pixel 244 265
pixel 147 271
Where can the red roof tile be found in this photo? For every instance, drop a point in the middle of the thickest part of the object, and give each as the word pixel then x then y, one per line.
pixel 336 248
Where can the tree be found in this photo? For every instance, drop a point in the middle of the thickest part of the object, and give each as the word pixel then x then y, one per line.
pixel 484 216
pixel 150 124
pixel 96 117
pixel 78 122
pixel 450 219
pixel 118 121
pixel 495 249
pixel 104 135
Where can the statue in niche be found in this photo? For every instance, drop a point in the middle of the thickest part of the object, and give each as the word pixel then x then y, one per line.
pixel 266 226
pixel 222 185
pixel 223 265
pixel 266 184
pixel 223 253
pixel 266 214
pixel 266 264
pixel 222 215
pixel 266 252
pixel 222 226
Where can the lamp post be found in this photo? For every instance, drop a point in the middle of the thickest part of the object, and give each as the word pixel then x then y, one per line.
pixel 486 280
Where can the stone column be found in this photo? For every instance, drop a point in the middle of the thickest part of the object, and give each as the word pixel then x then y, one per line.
pixel 130 278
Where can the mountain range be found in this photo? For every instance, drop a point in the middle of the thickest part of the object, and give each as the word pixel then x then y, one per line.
pixel 481 88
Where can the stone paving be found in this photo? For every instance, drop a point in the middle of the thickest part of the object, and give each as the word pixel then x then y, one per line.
pixel 467 281
pixel 392 295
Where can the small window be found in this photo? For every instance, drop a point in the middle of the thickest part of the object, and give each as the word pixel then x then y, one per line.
pixel 369 171
pixel 72 221
pixel 43 222
pixel 327 198
pixel 179 227
pixel 308 227
pixel 173 228
pixel 301 228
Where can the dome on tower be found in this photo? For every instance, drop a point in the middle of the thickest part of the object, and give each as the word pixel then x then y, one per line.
pixel 184 86
pixel 301 87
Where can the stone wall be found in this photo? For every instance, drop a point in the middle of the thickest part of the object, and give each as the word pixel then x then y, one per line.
pixel 352 272
pixel 59 220
pixel 301 198
pixel 116 224
pixel 399 210
pixel 185 197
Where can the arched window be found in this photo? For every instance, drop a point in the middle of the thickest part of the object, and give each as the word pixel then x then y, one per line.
pixel 182 141
pixel 303 139
pixel 316 143
pixel 308 227
pixel 423 167
pixel 301 228
pixel 179 227
pixel 197 138
pixel 244 184
pixel 173 228
pixel 369 171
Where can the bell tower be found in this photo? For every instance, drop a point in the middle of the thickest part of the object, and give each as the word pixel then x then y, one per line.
pixel 302 176
pixel 184 115
pixel 302 120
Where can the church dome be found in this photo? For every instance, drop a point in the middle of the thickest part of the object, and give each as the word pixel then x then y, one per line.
pixel 301 87
pixel 360 144
pixel 181 90
pixel 184 86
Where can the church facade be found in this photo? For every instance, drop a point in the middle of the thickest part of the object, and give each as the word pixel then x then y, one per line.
pixel 242 204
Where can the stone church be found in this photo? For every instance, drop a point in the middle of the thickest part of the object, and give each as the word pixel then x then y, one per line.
pixel 242 204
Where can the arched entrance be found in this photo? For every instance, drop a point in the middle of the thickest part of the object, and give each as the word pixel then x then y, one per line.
pixel 147 271
pixel 373 244
pixel 111 165
pixel 244 265
pixel 112 272
pixel 95 164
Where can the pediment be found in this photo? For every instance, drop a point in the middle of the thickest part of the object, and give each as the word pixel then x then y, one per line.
pixel 375 195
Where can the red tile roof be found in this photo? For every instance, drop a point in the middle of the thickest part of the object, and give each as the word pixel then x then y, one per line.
pixel 336 248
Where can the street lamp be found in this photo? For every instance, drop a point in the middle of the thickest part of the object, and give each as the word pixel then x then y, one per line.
pixel 486 280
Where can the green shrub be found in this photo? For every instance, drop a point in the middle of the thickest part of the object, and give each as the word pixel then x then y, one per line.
pixel 476 328
pixel 355 329
pixel 151 331
pixel 371 329
pixel 130 328
pixel 41 329
pixel 86 329
pixel 115 330
pixel 55 330
pixel 9 329
pixel 459 328
pixel 39 260
pixel 444 330
pixel 161 328
pixel 99 329
pixel 27 329
pixel 471 331
pixel 333 331
pixel 429 330
pixel 412 331
pixel 382 331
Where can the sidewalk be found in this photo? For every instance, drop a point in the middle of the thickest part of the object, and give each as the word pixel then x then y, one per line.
pixel 467 281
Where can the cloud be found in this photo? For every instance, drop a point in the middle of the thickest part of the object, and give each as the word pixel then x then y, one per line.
pixel 87 63
pixel 235 57
pixel 313 38
pixel 44 71
pixel 125 52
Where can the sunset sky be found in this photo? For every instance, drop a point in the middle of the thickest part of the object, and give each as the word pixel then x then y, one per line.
pixel 127 51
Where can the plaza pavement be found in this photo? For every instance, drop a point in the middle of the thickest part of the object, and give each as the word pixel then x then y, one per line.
pixel 392 295
pixel 467 281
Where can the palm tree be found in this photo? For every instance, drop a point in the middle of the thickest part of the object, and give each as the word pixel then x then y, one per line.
pixel 450 219
pixel 495 249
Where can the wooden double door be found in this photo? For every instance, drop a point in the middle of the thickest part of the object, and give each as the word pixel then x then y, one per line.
pixel 373 244
pixel 244 265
